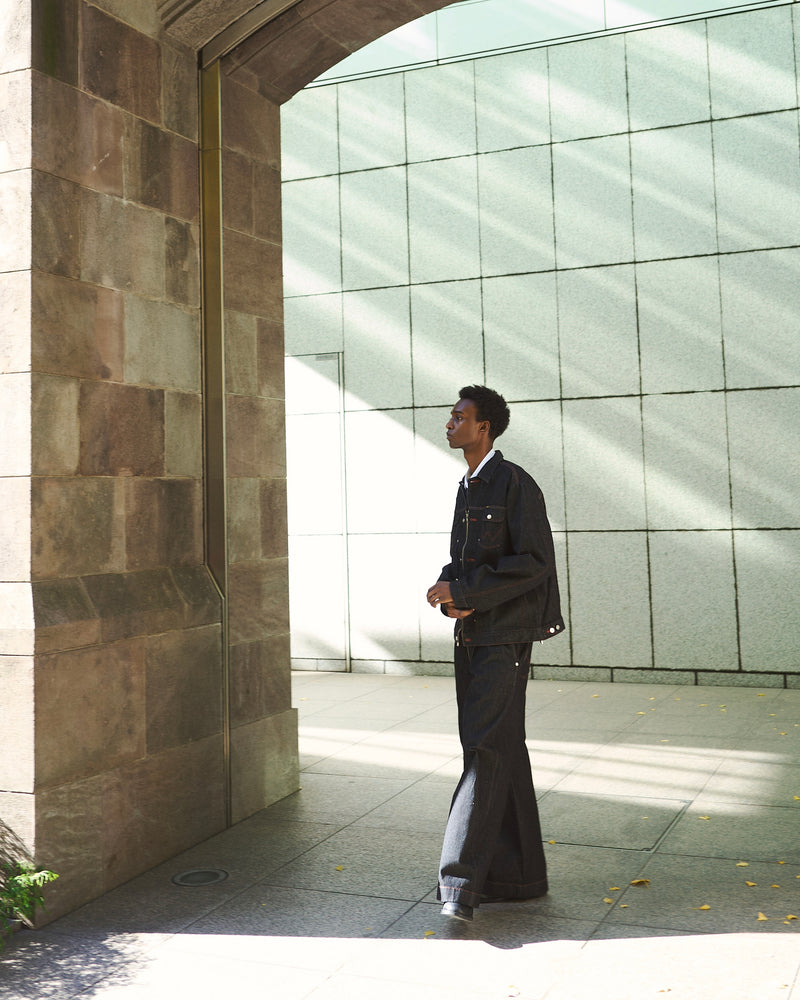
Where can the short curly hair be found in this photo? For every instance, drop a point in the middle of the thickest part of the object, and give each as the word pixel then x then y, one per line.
pixel 489 405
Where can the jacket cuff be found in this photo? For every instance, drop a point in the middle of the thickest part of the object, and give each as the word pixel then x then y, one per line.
pixel 459 598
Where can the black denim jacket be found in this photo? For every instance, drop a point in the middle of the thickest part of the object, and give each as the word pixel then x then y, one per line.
pixel 502 562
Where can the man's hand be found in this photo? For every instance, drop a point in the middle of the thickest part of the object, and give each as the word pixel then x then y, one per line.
pixel 453 612
pixel 439 593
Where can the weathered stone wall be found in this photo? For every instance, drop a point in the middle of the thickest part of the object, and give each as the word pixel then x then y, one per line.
pixel 263 725
pixel 111 674
pixel 128 688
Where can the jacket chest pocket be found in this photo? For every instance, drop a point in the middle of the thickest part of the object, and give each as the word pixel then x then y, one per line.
pixel 491 527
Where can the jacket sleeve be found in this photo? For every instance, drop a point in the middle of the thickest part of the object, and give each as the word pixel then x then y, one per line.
pixel 527 561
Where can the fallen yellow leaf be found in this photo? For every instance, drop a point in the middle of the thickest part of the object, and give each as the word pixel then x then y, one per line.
pixel 641 713
pixel 762 916
pixel 705 906
pixel 623 906
pixel 429 933
pixel 791 916
pixel 751 883
pixel 797 798
pixel 339 868
pixel 641 881
pixel 742 864
pixel 551 842
pixel 774 886
pixel 704 817
pixel 614 888
pixel 607 900
pixel 781 862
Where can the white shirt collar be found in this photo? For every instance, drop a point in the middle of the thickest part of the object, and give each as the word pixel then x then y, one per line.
pixel 467 475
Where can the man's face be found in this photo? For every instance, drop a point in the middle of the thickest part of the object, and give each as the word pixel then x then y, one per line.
pixel 463 428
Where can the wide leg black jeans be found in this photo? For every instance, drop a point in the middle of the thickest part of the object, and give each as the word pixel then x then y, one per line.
pixel 493 842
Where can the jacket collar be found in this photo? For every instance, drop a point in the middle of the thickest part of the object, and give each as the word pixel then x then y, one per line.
pixel 489 468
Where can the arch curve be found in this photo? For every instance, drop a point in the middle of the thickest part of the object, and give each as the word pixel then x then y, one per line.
pixel 278 46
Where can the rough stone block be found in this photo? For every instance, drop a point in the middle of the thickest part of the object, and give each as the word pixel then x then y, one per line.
pixel 69 841
pixel 271 377
pixel 267 203
pixel 180 90
pixel 77 527
pixel 55 427
pixel 244 541
pixel 78 329
pixel 132 604
pixel 143 15
pixel 255 437
pixel 183 433
pixel 264 763
pixel 259 600
pixel 65 617
pixel 17 714
pixel 77 137
pixel 184 687
pixel 120 65
pixel 250 124
pixel 182 263
pixel 104 688
pixel 15 321
pixel 122 430
pixel 162 345
pixel 283 69
pixel 200 596
pixel 163 523
pixel 273 519
pixel 161 170
pixel 55 225
pixel 155 807
pixel 241 353
pixel 260 679
pixel 134 259
pixel 237 194
pixel 252 274
pixel 54 38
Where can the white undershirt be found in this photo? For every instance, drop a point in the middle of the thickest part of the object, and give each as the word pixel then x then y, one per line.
pixel 467 475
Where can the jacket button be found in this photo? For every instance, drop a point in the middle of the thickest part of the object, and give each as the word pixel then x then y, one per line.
pixel 488 517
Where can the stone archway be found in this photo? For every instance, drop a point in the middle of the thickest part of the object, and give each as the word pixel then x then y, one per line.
pixel 144 672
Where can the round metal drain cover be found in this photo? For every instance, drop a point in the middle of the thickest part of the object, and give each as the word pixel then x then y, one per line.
pixel 200 876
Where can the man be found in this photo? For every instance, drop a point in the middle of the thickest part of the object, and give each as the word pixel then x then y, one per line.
pixel 500 586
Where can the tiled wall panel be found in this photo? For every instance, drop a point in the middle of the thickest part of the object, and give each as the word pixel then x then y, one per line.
pixel 607 230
